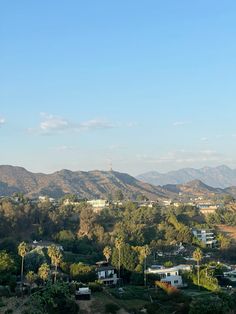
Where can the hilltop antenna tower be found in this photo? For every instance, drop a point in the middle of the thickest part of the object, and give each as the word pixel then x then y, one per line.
pixel 110 166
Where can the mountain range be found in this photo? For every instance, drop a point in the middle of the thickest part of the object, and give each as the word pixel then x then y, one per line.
pixel 97 184
pixel 91 184
pixel 218 177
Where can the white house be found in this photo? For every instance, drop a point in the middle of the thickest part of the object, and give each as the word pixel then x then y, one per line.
pixel 98 205
pixel 170 275
pixel 106 274
pixel 231 275
pixel 205 236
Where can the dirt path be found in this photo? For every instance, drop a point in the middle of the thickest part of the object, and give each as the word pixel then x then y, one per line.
pixel 230 231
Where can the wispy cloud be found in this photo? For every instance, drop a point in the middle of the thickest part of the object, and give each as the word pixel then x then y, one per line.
pixel 64 148
pixel 187 157
pixel 181 123
pixel 2 121
pixel 52 124
pixel 96 124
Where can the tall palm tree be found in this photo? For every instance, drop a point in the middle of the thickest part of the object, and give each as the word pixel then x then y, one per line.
pixel 43 271
pixel 56 257
pixel 145 252
pixel 22 251
pixel 118 244
pixel 197 256
pixel 107 253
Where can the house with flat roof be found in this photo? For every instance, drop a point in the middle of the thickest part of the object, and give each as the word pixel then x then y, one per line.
pixel 98 205
pixel 205 236
pixel 171 275
pixel 107 274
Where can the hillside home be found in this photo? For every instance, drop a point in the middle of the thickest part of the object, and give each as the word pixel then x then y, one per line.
pixel 98 205
pixel 106 274
pixel 170 275
pixel 45 245
pixel 230 275
pixel 205 236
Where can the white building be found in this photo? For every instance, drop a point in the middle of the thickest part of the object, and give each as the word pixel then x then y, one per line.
pixel 230 275
pixel 205 236
pixel 106 274
pixel 98 205
pixel 170 275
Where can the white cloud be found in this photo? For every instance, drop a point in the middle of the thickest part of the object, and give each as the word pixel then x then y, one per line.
pixel 2 121
pixel 64 148
pixel 95 124
pixel 181 123
pixel 52 124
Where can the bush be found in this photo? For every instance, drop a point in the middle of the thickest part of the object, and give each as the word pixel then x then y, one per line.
pixel 95 286
pixel 170 290
pixel 5 291
pixel 54 299
pixel 152 308
pixel 82 272
pixel 111 308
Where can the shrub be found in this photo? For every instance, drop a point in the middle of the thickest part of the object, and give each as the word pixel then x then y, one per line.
pixel 111 308
pixel 95 286
pixel 170 290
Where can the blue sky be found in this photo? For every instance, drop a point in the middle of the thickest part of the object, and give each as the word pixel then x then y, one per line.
pixel 148 85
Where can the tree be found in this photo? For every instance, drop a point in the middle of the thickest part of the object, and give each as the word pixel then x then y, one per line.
pixel 31 278
pixel 119 195
pixel 7 270
pixel 145 252
pixel 224 241
pixel 53 299
pixel 125 257
pixel 87 221
pixel 22 251
pixel 7 264
pixel 107 253
pixel 197 256
pixel 82 273
pixel 56 257
pixel 43 271
pixel 118 244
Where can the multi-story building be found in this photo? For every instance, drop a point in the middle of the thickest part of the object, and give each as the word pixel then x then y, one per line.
pixel 205 236
pixel 170 275
pixel 98 205
pixel 107 274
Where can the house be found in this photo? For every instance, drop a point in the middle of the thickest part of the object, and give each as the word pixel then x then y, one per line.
pixel 45 245
pixel 230 275
pixel 44 199
pixel 98 205
pixel 167 202
pixel 207 208
pixel 106 274
pixel 170 275
pixel 205 236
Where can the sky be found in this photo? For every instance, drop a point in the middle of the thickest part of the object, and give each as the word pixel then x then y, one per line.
pixel 142 85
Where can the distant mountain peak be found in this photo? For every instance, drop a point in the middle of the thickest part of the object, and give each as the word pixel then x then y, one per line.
pixel 221 176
